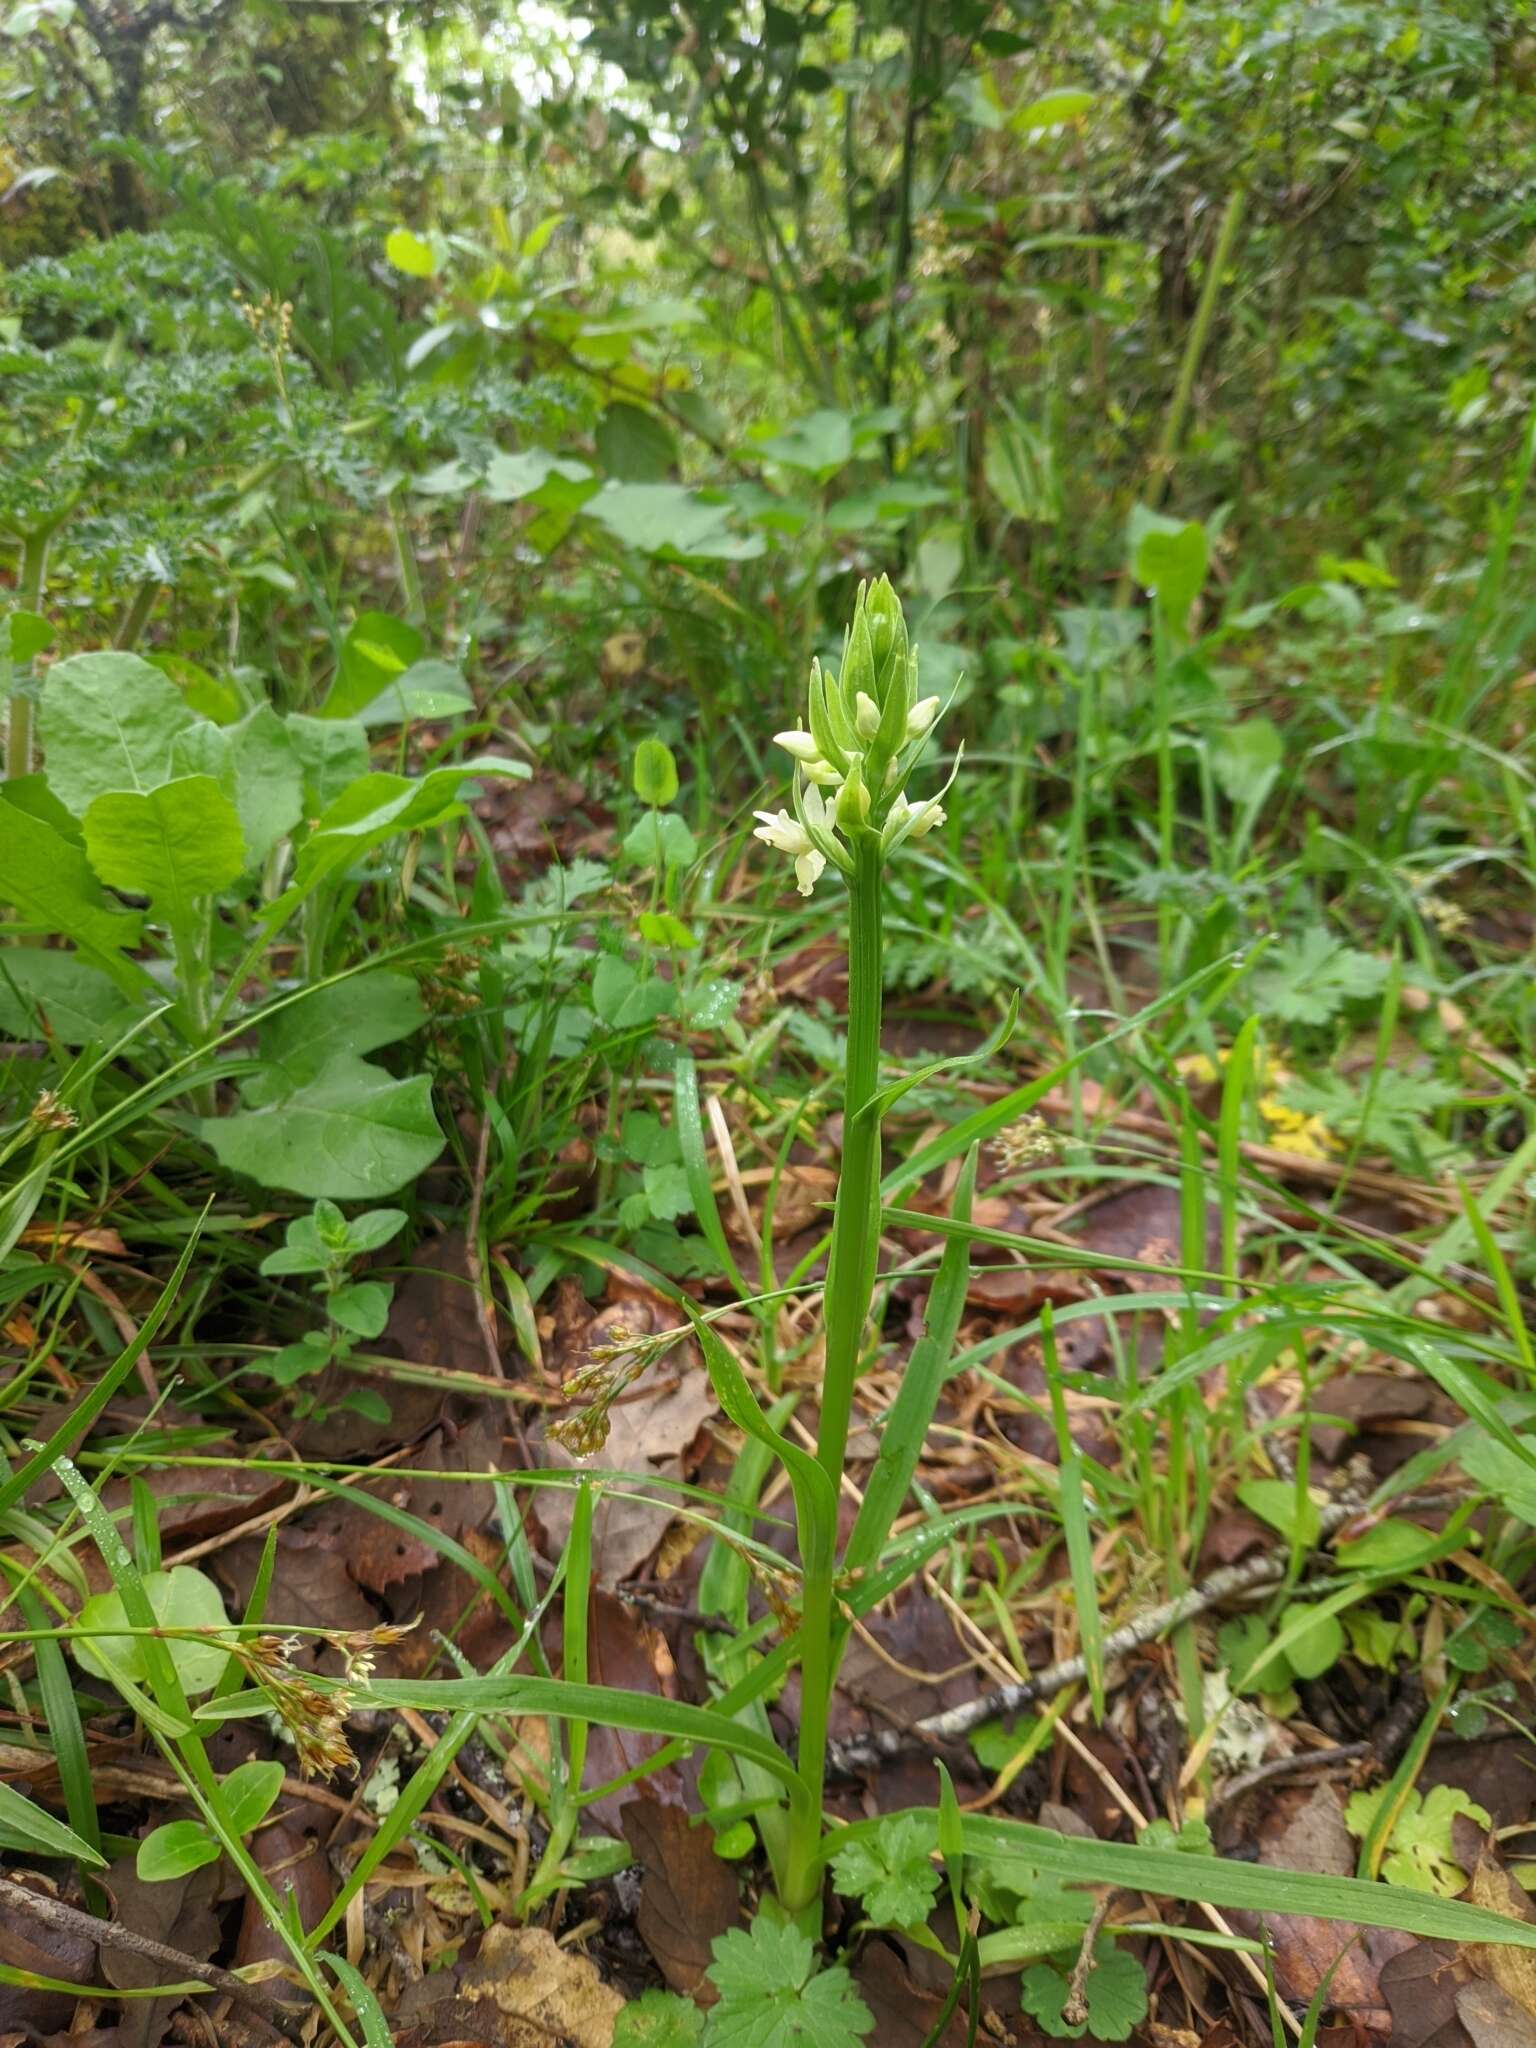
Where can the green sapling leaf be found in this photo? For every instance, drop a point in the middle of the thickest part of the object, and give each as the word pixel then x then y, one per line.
pixel 174 1850
pixel 249 1792
pixel 361 1309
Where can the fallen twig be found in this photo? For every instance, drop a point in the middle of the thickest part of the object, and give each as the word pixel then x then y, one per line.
pixel 867 1751
pixel 285 2017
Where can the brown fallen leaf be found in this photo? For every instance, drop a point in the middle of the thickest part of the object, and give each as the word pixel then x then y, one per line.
pixel 1492 2018
pixel 79 1237
pixel 905 2016
pixel 651 1425
pixel 26 1944
pixel 175 1910
pixel 1420 1987
pixel 1304 1830
pixel 688 1896
pixel 297 1868
pixel 624 1651
pixel 1512 1969
pixel 310 1586
pixel 194 1502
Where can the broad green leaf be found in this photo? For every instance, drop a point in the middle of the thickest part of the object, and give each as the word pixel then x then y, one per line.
pixel 667 519
pixel 1173 567
pixel 378 807
pixel 1051 110
pixel 26 1826
pixel 30 793
pixel 427 689
pixel 248 1793
pixel 1391 1545
pixel 1246 759
pixel 48 879
pixel 208 695
pixel 106 722
pixel 1421 1853
pixel 332 755
pixel 182 1597
pixel 61 994
pixel 377 651
pixel 511 478
pixel 173 1850
pixel 256 766
pixel 893 1873
pixel 623 1001
pixel 661 840
pixel 352 1132
pixel 820 443
pixel 634 446
pixel 1274 1501
pixel 174 844
pixel 891 503
pixel 410 254
pixel 651 316
pixel 269 780
pixel 355 1016
pixel 1313 1640
pixel 1510 1479
pixel 655 773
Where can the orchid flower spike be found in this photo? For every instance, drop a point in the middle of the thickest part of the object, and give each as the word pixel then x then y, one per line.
pixel 865 728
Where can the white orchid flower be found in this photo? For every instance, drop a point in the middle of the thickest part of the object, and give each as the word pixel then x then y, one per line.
pixel 787 835
pixel 782 832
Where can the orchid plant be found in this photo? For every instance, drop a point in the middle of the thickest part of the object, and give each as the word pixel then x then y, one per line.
pixel 865 731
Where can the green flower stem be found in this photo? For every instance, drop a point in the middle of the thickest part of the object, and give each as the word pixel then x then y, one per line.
pixel 856 1222
pixel 850 1286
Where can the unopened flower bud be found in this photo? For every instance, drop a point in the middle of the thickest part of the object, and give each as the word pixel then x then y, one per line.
pixel 853 800
pixel 866 715
pixel 799 744
pixel 921 717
